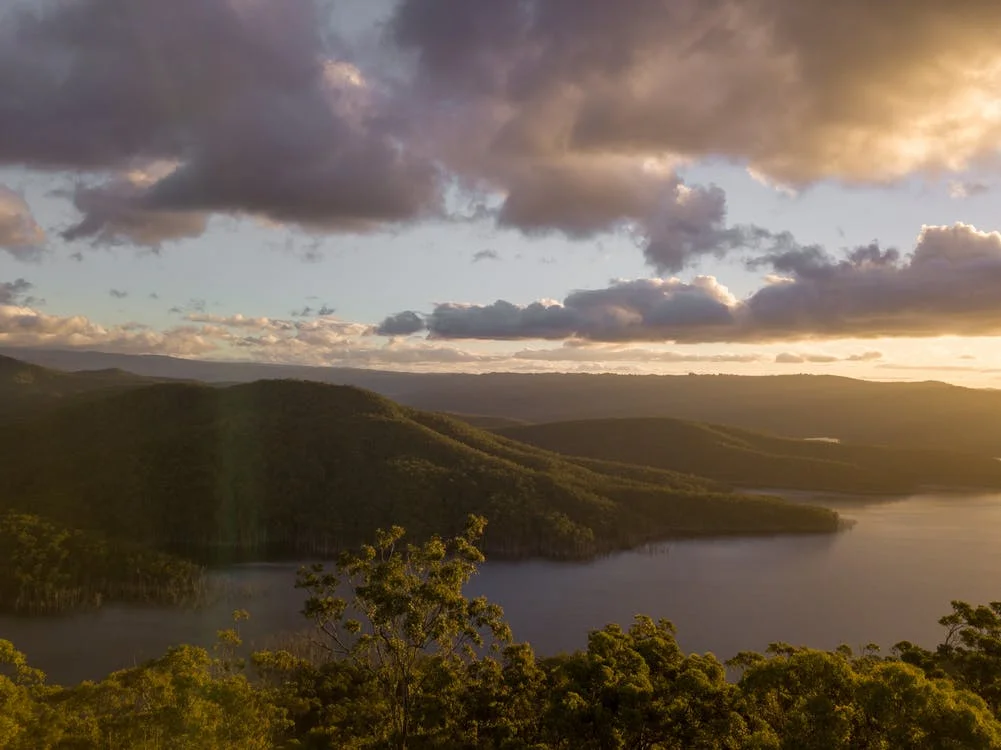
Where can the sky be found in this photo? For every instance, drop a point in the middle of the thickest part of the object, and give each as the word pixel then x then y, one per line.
pixel 755 187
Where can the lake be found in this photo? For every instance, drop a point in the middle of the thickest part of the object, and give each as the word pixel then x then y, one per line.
pixel 889 578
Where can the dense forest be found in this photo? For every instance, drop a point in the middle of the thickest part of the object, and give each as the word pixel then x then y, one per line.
pixel 304 469
pixel 25 388
pixel 401 659
pixel 909 415
pixel 47 569
pixel 750 459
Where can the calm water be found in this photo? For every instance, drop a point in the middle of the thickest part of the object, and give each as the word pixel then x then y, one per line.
pixel 887 579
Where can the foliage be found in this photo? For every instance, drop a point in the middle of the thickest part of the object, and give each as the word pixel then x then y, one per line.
pixel 407 625
pixel 48 569
pixel 305 470
pixel 814 700
pixel 970 654
pixel 398 675
pixel 184 700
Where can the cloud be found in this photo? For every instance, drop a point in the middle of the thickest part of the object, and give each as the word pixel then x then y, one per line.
pixel 642 309
pixel 485 255
pixel 401 324
pixel 193 305
pixel 674 223
pixel 791 358
pixel 23 326
pixel 941 367
pixel 16 292
pixel 949 284
pixel 319 341
pixel 575 351
pixel 253 102
pixel 567 116
pixel 959 189
pixel 20 235
pixel 118 293
pixel 119 211
pixel 800 90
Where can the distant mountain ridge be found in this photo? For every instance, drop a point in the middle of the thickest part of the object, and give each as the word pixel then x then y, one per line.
pixel 750 459
pixel 913 415
pixel 298 468
pixel 25 387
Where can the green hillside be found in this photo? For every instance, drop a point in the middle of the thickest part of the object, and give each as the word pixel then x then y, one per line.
pixel 25 388
pixel 751 459
pixel 48 569
pixel 285 467
pixel 907 415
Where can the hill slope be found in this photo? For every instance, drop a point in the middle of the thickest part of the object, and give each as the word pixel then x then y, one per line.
pixel 25 387
pixel 752 459
pixel 912 415
pixel 283 467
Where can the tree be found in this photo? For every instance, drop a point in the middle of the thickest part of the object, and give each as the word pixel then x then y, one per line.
pixel 637 689
pixel 803 699
pixel 397 613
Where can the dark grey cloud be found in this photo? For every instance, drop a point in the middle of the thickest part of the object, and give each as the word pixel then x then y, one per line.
pixel 20 235
pixel 542 114
pixel 16 292
pixel 250 102
pixel 119 212
pixel 485 255
pixel 674 223
pixel 118 293
pixel 643 309
pixel 401 324
pixel 308 312
pixel 949 284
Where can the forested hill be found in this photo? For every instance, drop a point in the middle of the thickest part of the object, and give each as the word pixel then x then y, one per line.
pixel 25 387
pixel 909 415
pixel 286 467
pixel 751 459
pixel 912 415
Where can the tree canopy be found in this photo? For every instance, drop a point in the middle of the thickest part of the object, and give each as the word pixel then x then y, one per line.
pixel 407 663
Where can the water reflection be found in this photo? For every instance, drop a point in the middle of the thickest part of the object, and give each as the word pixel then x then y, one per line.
pixel 889 578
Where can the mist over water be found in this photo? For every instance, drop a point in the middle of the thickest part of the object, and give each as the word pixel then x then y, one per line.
pixel 889 578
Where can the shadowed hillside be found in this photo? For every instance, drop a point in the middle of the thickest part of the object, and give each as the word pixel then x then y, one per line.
pixel 911 415
pixel 283 467
pixel 752 459
pixel 25 387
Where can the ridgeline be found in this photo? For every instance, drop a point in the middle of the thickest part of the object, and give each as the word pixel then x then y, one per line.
pixel 285 468
pixel 751 459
